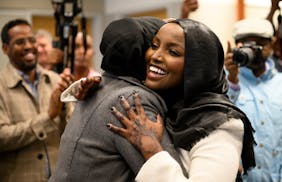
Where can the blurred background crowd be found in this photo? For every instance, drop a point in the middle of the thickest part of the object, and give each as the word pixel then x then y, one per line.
pixel 220 15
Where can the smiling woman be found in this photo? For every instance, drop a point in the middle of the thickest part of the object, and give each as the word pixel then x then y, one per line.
pixel 166 63
pixel 185 66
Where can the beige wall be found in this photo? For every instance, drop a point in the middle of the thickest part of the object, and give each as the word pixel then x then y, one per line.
pixel 48 23
pixel 219 15
pixel 40 14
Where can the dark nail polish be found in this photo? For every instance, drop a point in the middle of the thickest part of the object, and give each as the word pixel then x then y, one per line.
pixel 135 93
pixel 108 125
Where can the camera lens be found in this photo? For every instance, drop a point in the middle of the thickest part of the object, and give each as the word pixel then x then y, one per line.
pixel 243 56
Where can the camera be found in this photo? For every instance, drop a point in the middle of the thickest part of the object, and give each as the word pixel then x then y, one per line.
pixel 66 29
pixel 247 53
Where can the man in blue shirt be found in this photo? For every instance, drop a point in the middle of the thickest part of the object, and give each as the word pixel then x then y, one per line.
pixel 254 86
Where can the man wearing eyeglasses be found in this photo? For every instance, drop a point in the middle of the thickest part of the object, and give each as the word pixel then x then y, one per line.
pixel 32 118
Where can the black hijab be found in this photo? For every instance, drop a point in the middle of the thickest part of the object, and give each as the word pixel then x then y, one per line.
pixel 204 105
pixel 124 44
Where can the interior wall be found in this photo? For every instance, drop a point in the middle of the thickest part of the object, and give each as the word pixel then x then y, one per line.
pixel 219 15
pixel 40 14
pixel 5 16
pixel 48 23
pixel 44 22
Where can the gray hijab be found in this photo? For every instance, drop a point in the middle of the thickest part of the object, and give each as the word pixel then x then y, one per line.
pixel 124 44
pixel 204 105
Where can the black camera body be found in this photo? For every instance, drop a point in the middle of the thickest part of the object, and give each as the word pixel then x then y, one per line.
pixel 247 53
pixel 66 29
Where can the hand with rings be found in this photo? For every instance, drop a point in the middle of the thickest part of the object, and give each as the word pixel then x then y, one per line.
pixel 141 132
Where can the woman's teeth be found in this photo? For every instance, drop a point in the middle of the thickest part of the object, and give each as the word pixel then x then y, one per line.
pixel 157 70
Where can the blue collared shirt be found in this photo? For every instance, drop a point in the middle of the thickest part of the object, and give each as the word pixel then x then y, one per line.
pixel 33 86
pixel 261 99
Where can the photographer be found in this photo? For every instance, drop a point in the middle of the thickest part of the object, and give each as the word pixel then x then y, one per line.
pixel 254 86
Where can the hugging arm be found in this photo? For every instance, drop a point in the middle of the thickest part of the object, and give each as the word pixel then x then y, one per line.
pixel 207 158
pixel 142 133
pixel 145 135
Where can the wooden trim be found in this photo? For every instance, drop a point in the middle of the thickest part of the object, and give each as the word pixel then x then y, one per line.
pixel 240 9
pixel 160 13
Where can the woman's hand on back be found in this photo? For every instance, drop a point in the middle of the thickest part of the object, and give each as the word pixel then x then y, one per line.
pixel 141 132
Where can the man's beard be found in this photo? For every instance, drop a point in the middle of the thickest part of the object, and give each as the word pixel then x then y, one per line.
pixel 27 67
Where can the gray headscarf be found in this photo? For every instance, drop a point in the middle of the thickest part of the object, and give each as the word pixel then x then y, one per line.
pixel 204 105
pixel 124 44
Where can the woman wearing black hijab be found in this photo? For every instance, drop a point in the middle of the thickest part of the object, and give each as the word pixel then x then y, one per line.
pixel 88 150
pixel 185 66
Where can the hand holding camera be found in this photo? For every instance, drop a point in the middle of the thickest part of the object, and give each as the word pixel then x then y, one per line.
pixel 247 53
pixel 232 68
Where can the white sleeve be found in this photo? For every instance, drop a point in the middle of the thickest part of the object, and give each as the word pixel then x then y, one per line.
pixel 214 158
pixel 161 167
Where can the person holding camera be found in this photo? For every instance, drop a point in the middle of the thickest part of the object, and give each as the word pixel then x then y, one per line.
pixel 254 88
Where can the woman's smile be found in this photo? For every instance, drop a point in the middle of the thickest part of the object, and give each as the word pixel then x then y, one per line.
pixel 165 58
pixel 155 72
